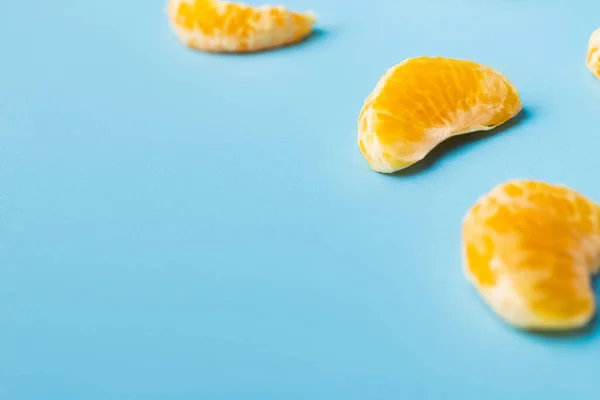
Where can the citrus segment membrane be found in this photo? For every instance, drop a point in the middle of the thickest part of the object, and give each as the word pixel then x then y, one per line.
pixel 423 101
pixel 225 27
pixel 593 54
pixel 530 248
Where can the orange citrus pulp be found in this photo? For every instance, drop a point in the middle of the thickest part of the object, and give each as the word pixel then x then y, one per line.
pixel 423 101
pixel 593 55
pixel 219 26
pixel 530 249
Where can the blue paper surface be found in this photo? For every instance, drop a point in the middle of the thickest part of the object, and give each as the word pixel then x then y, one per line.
pixel 178 225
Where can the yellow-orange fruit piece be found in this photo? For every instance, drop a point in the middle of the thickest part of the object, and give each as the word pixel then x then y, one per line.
pixel 224 27
pixel 423 101
pixel 530 248
pixel 593 55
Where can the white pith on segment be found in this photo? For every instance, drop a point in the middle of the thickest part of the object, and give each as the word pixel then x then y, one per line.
pixel 475 118
pixel 593 55
pixel 266 33
pixel 507 263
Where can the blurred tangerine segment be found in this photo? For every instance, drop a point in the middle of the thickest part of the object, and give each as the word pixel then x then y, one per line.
pixel 423 101
pixel 593 54
pixel 224 27
pixel 530 248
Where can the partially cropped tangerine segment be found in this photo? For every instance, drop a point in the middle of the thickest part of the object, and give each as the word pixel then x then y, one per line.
pixel 423 101
pixel 224 27
pixel 530 248
pixel 593 54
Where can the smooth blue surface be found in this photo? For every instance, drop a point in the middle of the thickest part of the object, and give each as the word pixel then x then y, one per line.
pixel 175 225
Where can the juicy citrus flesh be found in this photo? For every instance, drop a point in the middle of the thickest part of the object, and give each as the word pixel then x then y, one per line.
pixel 224 27
pixel 593 54
pixel 530 248
pixel 423 101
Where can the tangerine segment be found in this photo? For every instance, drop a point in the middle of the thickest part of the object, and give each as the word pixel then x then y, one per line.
pixel 224 27
pixel 530 249
pixel 593 55
pixel 423 101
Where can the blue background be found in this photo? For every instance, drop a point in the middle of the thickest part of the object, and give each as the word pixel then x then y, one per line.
pixel 177 225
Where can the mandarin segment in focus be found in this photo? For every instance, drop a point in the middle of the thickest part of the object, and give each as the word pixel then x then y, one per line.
pixel 530 248
pixel 224 27
pixel 593 54
pixel 423 101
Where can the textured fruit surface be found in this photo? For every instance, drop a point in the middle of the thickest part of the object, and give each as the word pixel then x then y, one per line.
pixel 423 101
pixel 593 55
pixel 223 27
pixel 530 249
